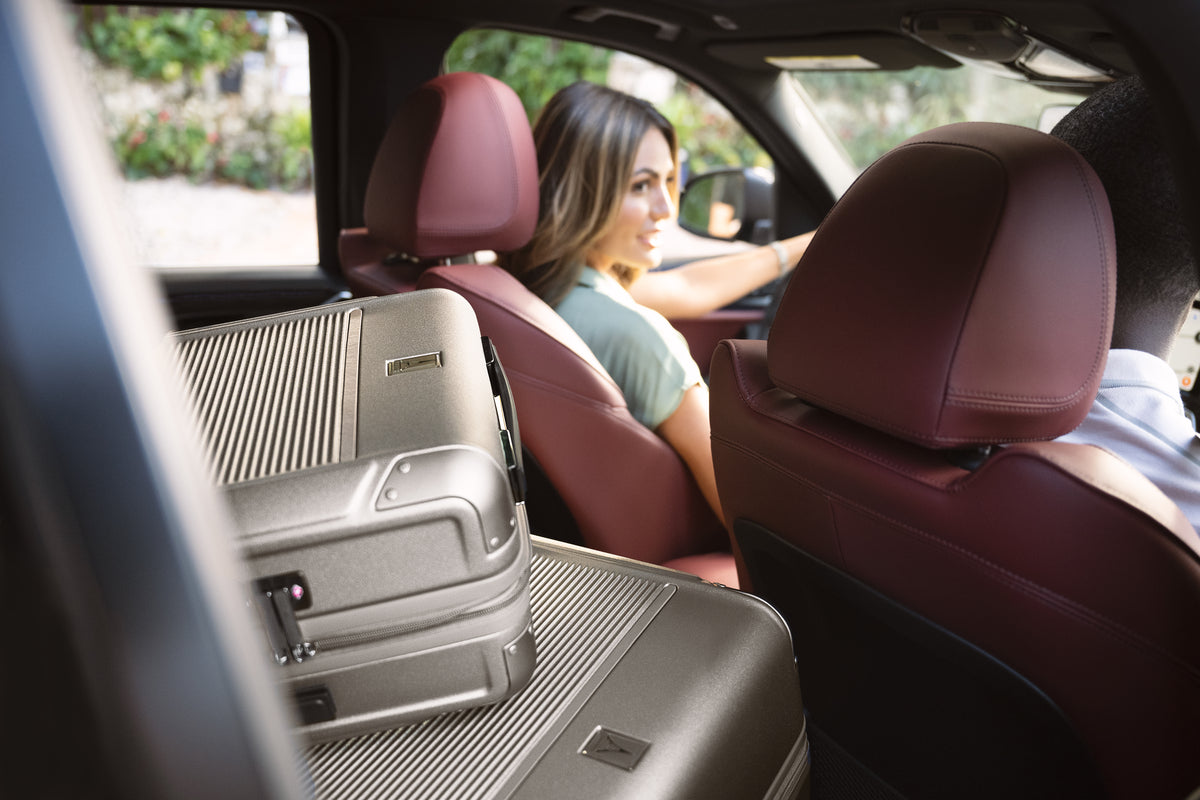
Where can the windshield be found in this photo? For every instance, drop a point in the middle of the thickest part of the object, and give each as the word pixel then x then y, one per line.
pixel 869 112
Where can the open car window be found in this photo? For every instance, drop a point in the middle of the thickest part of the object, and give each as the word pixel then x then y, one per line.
pixel 207 115
pixel 871 111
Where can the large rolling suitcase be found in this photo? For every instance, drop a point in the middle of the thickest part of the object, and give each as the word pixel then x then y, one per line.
pixel 650 685
pixel 372 462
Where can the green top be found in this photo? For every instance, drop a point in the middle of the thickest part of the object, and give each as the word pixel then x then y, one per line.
pixel 648 358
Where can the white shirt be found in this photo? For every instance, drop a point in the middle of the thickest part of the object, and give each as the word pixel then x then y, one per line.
pixel 1139 416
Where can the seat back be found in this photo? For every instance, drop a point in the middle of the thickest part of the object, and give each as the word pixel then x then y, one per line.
pixel 627 489
pixel 457 173
pixel 977 610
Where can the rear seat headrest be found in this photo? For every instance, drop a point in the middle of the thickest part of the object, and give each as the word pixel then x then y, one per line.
pixel 456 171
pixel 960 293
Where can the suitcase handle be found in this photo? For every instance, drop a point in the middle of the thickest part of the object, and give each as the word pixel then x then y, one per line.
pixel 510 432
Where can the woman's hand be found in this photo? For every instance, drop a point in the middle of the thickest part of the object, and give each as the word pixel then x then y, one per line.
pixel 700 287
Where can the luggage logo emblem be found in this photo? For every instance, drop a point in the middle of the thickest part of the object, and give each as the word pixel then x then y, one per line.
pixel 395 366
pixel 614 748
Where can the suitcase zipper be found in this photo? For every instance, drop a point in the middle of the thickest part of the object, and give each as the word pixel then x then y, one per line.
pixel 389 631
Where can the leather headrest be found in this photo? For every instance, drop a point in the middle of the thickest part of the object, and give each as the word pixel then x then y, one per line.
pixel 456 171
pixel 960 293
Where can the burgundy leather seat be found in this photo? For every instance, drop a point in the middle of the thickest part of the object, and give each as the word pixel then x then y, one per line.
pixel 977 610
pixel 456 173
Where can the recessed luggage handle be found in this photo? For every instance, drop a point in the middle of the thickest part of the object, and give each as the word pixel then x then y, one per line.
pixel 510 432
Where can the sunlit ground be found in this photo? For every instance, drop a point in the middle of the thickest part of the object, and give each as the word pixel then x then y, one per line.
pixel 177 224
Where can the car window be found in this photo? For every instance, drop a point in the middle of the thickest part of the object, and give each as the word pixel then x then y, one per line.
pixel 538 66
pixel 207 114
pixel 871 111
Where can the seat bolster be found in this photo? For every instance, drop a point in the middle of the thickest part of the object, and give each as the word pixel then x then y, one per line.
pixel 1123 484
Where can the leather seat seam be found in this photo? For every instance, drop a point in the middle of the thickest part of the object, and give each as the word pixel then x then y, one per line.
pixel 561 391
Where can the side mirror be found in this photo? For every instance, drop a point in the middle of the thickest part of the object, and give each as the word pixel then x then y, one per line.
pixel 730 204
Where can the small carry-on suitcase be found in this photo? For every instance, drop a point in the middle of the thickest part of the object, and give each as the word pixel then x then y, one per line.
pixel 650 684
pixel 372 461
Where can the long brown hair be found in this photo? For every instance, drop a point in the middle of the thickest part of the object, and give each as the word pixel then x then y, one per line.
pixel 587 137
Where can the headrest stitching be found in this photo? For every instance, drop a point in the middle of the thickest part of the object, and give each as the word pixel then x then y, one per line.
pixel 947 388
pixel 1051 404
pixel 1080 394
pixel 1078 162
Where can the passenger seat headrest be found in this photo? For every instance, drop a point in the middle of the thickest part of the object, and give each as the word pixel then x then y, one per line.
pixel 456 171
pixel 960 293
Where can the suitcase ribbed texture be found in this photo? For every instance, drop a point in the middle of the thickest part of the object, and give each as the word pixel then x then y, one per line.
pixel 268 398
pixel 580 614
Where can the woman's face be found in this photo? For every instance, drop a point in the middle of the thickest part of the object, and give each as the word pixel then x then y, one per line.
pixel 633 237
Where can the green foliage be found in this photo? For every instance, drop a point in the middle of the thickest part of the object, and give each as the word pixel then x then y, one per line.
pixel 167 45
pixel 177 46
pixel 538 66
pixel 534 66
pixel 275 150
pixel 710 135
pixel 292 136
pixel 871 112
pixel 155 145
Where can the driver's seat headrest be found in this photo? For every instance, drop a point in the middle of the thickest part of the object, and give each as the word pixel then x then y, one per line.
pixel 456 171
pixel 959 294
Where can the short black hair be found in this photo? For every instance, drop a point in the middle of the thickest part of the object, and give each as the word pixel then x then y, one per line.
pixel 1116 133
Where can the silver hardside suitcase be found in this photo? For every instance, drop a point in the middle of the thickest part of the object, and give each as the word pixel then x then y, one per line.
pixel 650 684
pixel 372 462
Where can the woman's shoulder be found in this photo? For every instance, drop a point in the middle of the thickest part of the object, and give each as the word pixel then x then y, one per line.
pixel 591 309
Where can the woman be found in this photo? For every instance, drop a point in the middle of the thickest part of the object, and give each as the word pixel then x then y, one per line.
pixel 608 168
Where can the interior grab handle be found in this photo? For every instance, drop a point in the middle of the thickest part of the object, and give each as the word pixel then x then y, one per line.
pixel 667 31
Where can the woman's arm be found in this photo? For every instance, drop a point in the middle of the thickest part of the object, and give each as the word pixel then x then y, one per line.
pixel 695 289
pixel 687 431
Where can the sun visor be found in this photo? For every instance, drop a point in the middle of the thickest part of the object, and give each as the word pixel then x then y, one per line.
pixel 833 52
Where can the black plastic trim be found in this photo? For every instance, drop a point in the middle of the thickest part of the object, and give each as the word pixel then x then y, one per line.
pixel 931 714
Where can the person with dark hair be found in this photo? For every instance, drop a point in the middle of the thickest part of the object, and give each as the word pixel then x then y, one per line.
pixel 1138 414
pixel 608 167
